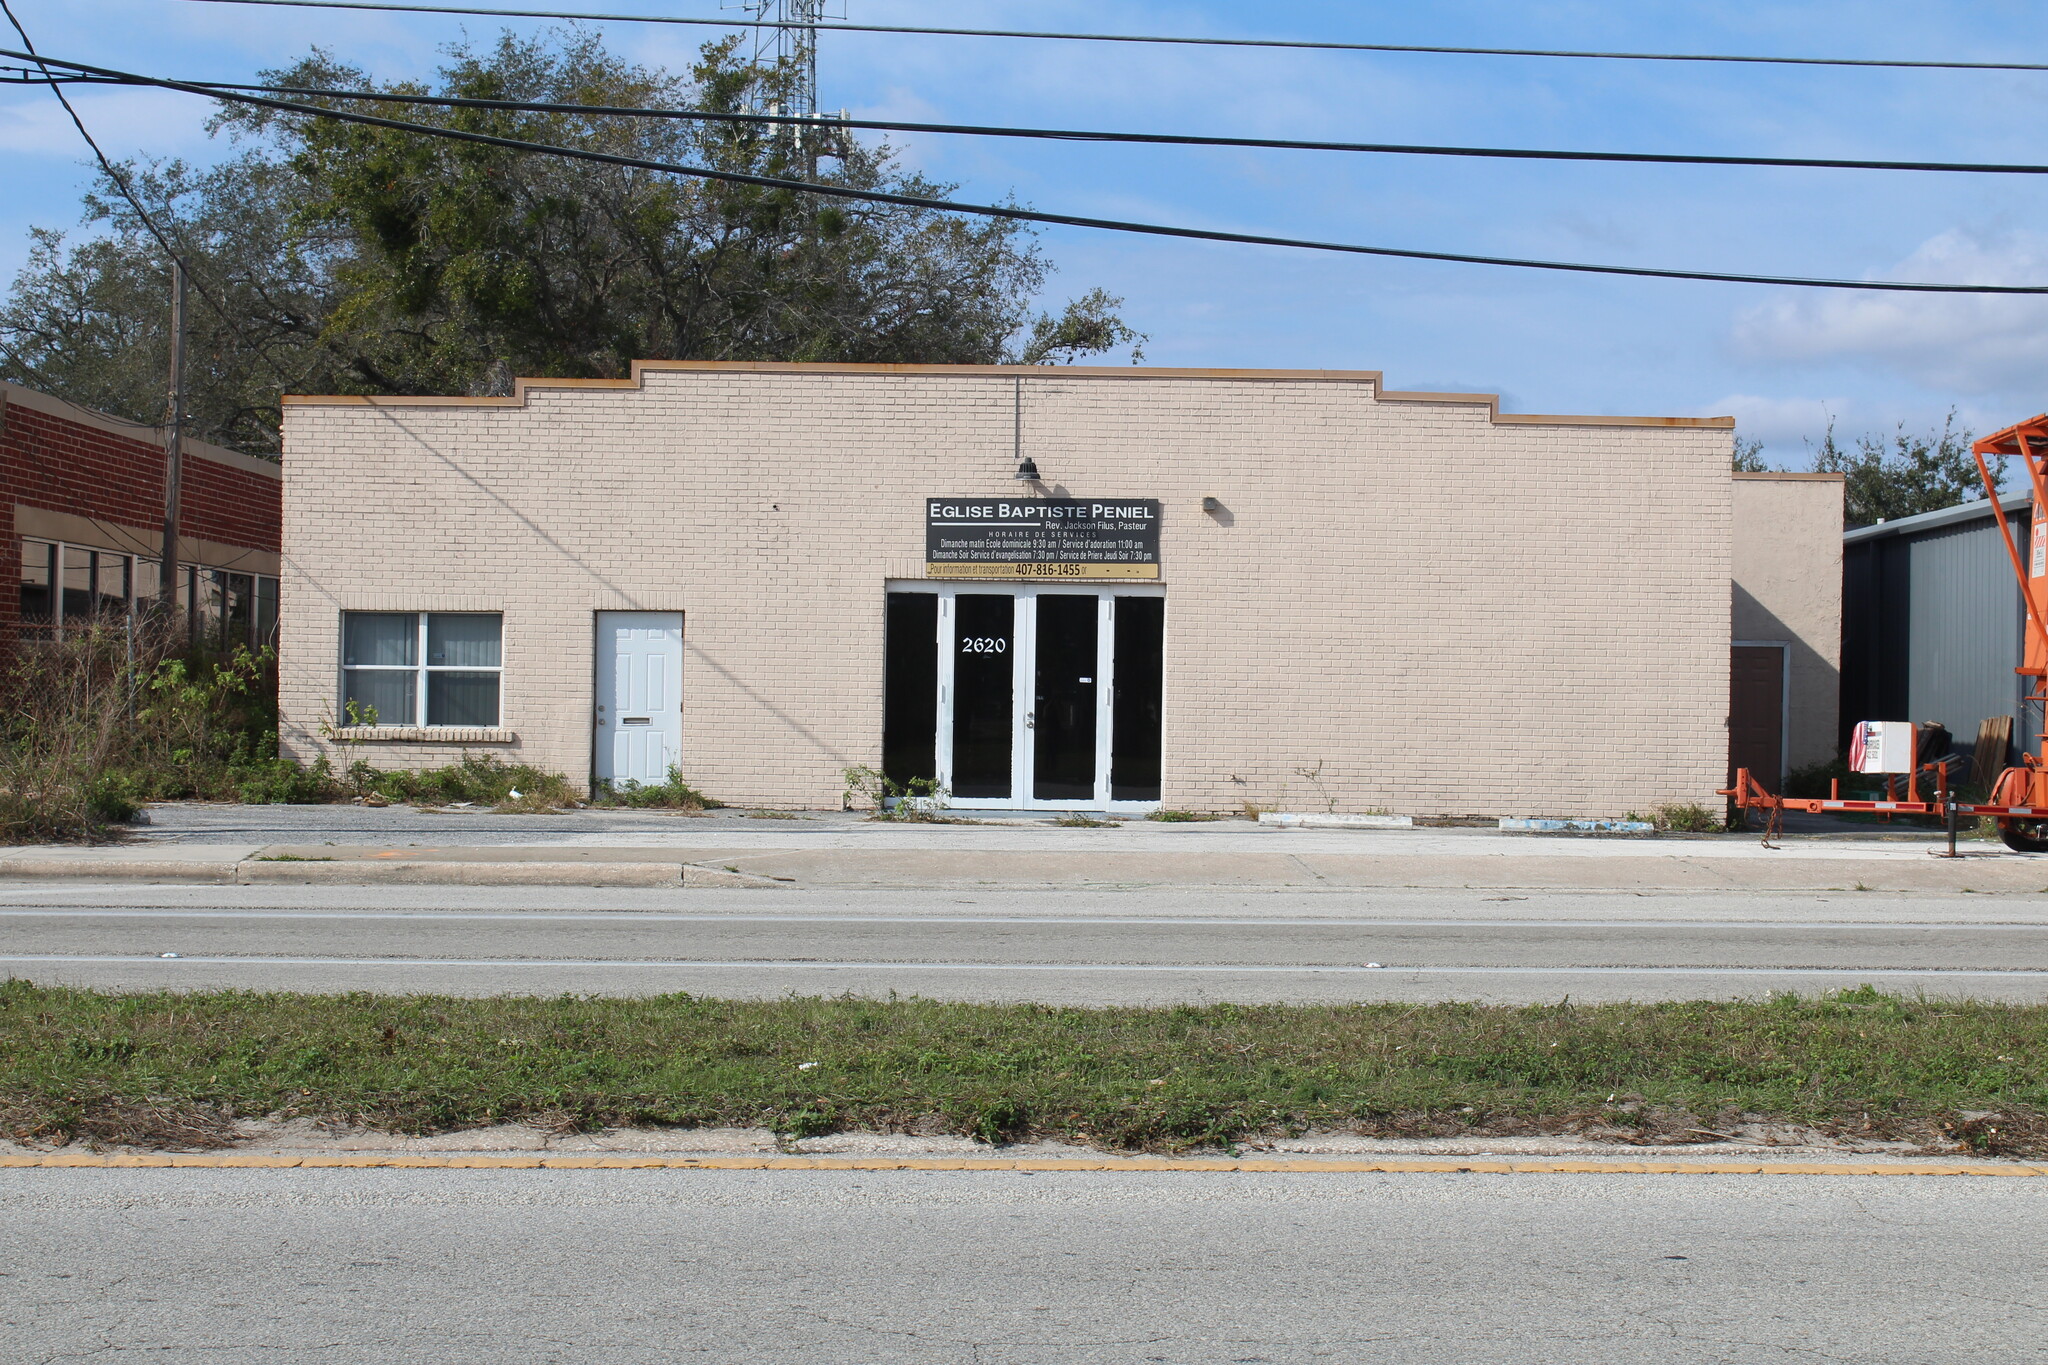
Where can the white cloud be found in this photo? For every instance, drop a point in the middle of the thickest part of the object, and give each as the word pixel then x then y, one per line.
pixel 1782 422
pixel 123 121
pixel 1966 343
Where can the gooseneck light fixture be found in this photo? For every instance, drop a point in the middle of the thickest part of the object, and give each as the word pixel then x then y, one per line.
pixel 1027 470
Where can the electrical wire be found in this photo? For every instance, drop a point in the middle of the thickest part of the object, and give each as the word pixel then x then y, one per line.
pixel 1289 43
pixel 827 122
pixel 113 172
pixel 1017 214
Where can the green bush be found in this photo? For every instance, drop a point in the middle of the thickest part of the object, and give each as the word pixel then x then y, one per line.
pixel 481 779
pixel 671 794
pixel 1812 781
pixel 96 724
pixel 1688 818
pixel 920 800
pixel 280 781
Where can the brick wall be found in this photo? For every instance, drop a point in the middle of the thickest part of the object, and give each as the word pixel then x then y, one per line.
pixel 59 459
pixel 1450 610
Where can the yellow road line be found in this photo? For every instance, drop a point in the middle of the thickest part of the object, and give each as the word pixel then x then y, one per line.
pixel 270 1161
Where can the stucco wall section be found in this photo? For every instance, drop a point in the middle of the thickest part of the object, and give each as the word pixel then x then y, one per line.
pixel 1448 612
pixel 1788 588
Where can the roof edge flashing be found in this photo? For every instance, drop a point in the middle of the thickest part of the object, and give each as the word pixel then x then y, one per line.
pixel 641 368
pixel 1942 516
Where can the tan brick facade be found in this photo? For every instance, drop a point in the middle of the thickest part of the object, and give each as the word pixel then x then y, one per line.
pixel 1450 610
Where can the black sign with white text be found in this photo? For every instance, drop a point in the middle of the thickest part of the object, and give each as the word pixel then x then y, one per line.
pixel 969 537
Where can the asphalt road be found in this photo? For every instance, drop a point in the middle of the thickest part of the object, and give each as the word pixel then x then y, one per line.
pixel 391 1267
pixel 1059 947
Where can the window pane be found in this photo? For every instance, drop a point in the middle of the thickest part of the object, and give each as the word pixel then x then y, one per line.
pixel 238 611
pixel 266 611
pixel 112 580
pixel 380 638
pixel 145 582
pixel 462 699
pixel 378 698
pixel 465 641
pixel 77 585
pixel 212 606
pixel 38 576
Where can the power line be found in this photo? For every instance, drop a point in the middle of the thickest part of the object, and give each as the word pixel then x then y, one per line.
pixel 1286 43
pixel 113 172
pixel 1016 214
pixel 1143 139
pixel 120 181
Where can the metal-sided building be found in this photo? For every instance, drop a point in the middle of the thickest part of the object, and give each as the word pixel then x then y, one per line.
pixel 1932 622
pixel 1282 588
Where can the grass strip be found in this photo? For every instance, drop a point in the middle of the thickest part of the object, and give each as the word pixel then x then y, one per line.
pixel 179 1069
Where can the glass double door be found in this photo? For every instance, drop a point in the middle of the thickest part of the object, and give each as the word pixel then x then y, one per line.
pixel 1027 697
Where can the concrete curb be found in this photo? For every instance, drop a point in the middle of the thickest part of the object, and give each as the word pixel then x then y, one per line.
pixel 358 872
pixel 1162 1165
pixel 160 870
pixel 355 872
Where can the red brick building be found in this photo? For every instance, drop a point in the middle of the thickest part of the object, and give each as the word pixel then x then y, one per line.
pixel 82 505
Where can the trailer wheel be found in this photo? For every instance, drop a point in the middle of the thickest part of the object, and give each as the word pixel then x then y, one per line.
pixel 2024 836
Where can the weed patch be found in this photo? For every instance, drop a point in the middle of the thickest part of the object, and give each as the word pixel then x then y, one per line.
pixel 920 801
pixel 672 793
pixel 1688 818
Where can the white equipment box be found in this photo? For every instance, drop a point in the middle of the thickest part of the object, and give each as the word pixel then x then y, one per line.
pixel 1881 746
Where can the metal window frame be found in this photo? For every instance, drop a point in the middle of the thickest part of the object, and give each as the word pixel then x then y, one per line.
pixel 1023 658
pixel 420 668
pixel 128 561
pixel 1784 648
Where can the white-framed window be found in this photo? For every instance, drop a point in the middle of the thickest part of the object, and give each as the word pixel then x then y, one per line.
pixel 421 668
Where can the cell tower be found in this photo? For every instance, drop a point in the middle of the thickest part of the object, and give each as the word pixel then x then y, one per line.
pixel 790 41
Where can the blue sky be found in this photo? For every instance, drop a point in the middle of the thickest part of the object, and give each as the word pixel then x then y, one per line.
pixel 1780 361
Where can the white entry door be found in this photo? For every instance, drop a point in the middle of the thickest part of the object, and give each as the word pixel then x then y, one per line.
pixel 639 721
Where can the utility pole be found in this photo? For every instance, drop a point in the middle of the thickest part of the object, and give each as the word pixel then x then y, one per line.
pixel 174 457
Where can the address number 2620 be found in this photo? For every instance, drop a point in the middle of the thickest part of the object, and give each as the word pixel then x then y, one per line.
pixel 970 645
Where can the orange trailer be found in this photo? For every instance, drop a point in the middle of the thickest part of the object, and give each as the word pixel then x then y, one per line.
pixel 2019 798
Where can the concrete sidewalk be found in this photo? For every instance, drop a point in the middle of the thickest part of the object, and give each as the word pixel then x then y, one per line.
pixel 352 846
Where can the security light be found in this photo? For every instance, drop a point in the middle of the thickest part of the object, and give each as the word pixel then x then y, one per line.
pixel 1027 470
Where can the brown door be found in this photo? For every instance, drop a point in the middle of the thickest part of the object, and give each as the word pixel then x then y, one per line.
pixel 1756 713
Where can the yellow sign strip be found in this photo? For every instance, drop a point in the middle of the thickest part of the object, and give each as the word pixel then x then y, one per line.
pixel 1250 1166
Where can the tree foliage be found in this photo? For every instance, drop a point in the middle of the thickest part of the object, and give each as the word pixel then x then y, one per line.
pixel 343 258
pixel 1903 475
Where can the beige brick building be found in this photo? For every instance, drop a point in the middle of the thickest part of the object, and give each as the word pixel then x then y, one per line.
pixel 1372 599
pixel 1786 619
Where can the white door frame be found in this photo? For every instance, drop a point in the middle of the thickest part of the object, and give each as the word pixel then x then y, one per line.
pixel 1023 666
